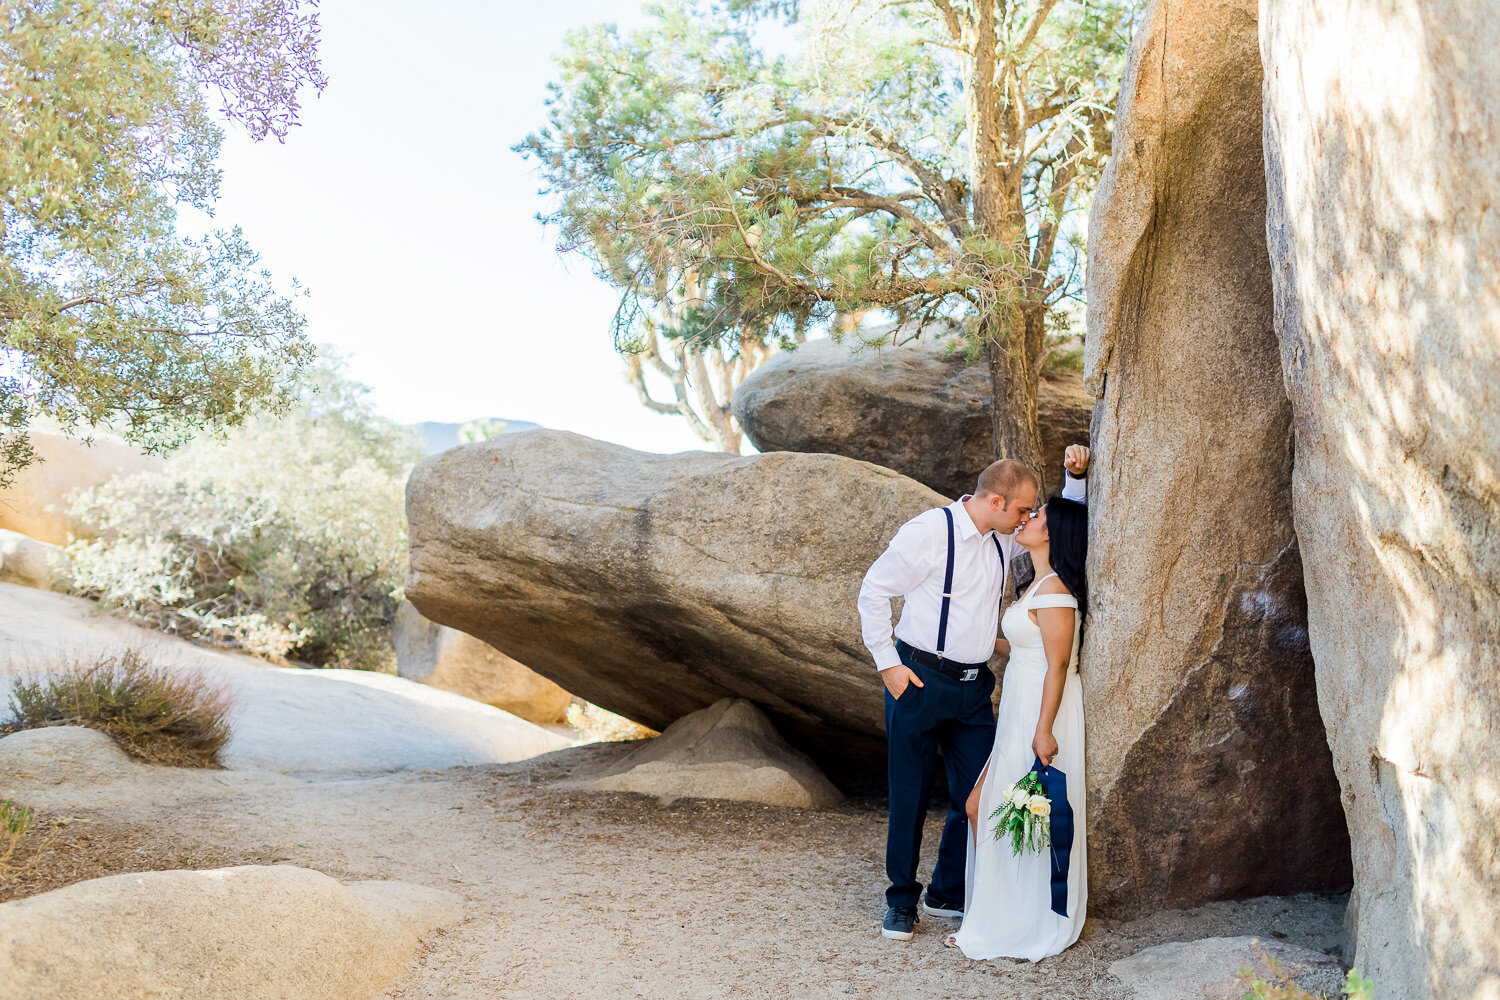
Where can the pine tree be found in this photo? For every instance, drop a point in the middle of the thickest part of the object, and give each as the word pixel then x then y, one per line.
pixel 925 158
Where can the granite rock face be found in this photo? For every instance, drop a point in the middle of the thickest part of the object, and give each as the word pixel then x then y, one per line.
pixel 455 661
pixel 1382 124
pixel 919 409
pixel 1209 771
pixel 726 751
pixel 249 933
pixel 655 585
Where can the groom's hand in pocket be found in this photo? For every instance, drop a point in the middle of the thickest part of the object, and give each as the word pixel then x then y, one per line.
pixel 897 678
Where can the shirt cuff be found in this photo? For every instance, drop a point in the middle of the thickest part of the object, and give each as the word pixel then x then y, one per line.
pixel 1076 488
pixel 887 658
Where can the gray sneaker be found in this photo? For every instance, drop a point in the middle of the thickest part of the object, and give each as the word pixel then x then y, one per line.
pixel 937 908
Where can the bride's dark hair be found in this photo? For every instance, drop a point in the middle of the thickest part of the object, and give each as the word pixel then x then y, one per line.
pixel 1068 545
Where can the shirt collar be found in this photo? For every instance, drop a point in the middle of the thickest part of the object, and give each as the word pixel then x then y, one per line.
pixel 963 522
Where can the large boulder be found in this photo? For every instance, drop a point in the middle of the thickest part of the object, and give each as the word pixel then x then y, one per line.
pixel 1383 162
pixel 250 933
pixel 920 409
pixel 726 751
pixel 1209 775
pixel 654 585
pixel 456 661
pixel 36 503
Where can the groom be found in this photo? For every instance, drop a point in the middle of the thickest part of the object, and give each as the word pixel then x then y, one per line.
pixel 950 565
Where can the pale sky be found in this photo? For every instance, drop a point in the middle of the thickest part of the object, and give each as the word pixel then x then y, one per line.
pixel 399 203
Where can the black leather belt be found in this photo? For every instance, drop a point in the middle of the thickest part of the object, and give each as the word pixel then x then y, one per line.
pixel 958 671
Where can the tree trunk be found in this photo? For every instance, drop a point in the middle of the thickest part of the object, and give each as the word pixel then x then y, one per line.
pixel 1012 334
pixel 1012 343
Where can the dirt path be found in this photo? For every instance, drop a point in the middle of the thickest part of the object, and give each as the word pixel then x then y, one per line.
pixel 578 896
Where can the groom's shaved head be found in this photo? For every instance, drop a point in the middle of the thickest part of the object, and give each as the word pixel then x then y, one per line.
pixel 1003 477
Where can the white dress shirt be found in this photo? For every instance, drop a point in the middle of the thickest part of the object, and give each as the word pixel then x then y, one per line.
pixel 912 566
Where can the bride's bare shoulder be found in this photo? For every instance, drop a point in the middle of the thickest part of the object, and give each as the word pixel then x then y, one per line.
pixel 1053 585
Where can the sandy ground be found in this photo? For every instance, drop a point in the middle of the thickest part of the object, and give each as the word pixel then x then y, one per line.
pixel 593 895
pixel 569 895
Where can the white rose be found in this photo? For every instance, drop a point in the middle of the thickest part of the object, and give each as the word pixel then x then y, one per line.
pixel 1039 806
pixel 1019 797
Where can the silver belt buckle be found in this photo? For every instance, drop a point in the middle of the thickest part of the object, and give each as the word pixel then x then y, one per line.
pixel 972 674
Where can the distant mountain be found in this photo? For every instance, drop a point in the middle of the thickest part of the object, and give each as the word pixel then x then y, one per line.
pixel 440 437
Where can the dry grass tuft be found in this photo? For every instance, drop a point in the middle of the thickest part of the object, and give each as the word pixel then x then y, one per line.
pixel 157 715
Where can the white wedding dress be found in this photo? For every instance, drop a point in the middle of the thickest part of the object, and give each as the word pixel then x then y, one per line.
pixel 1008 897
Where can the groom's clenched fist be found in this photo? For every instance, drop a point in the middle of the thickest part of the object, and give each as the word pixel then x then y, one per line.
pixel 1076 459
pixel 897 678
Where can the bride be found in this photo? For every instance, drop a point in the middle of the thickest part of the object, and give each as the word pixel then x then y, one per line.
pixel 1008 905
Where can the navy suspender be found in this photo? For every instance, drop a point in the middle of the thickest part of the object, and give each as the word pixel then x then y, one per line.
pixel 947 588
pixel 948 581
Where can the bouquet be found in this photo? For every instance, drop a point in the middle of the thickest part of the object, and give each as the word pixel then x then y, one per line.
pixel 1023 818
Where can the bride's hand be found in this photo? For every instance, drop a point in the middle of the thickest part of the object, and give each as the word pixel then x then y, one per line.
pixel 1044 746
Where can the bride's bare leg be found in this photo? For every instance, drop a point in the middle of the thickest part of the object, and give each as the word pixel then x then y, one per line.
pixel 971 806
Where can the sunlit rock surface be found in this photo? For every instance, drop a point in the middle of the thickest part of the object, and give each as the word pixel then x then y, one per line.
pixel 1209 773
pixel 1383 162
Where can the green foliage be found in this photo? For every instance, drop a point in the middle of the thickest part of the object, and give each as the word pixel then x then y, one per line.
pixel 156 715
pixel 109 316
pixel 1357 987
pixel 1027 829
pixel 15 822
pixel 1063 361
pixel 758 192
pixel 287 538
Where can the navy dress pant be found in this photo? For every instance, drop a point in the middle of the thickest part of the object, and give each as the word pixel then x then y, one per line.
pixel 954 716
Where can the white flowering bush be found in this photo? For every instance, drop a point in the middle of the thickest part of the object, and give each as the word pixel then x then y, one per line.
pixel 286 537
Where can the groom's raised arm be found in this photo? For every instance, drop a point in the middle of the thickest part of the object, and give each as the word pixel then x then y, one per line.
pixel 1076 464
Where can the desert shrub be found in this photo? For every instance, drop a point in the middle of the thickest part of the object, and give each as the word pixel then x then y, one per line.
pixel 15 821
pixel 1063 361
pixel 286 538
pixel 156 715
